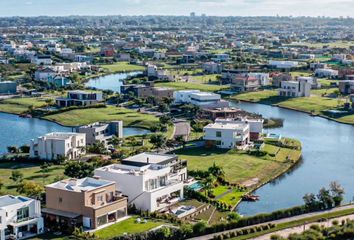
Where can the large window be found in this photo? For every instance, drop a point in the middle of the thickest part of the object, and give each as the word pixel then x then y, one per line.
pixel 102 220
pixel 22 214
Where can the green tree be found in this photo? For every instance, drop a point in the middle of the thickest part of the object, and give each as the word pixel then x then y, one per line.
pixel 75 169
pixel 12 149
pixel 31 189
pixel 337 192
pixel 216 171
pixel 16 176
pixel 44 170
pixel 199 227
pixel 25 149
pixel 158 140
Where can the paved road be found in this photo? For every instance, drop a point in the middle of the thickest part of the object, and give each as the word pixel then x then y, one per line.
pixel 210 236
pixel 182 128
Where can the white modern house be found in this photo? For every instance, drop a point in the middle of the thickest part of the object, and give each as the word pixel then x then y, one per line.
pixel 212 67
pixel 326 73
pixel 80 98
pixel 255 125
pixel 283 64
pixel 151 71
pixel 20 217
pixel 151 181
pixel 201 99
pixel 295 89
pixel 53 146
pixel 101 132
pixel 263 78
pixel 227 134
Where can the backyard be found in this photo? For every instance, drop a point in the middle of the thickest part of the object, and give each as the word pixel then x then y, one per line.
pixel 122 67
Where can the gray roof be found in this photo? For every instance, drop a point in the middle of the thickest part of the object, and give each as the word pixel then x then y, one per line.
pixel 9 200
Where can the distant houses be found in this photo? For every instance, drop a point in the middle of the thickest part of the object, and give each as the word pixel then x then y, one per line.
pixel 80 98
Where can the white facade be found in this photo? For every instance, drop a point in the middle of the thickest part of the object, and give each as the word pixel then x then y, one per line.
pixel 326 72
pixel 21 216
pixel 263 78
pixel 227 134
pixel 212 67
pixel 151 71
pixel 42 60
pixel 295 89
pixel 283 64
pixel 201 99
pixel 53 146
pixel 154 184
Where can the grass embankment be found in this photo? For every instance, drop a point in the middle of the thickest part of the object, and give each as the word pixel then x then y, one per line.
pixel 109 113
pixel 21 105
pixel 240 166
pixel 297 223
pixel 193 86
pixel 122 67
pixel 127 226
pixel 316 104
pixel 31 172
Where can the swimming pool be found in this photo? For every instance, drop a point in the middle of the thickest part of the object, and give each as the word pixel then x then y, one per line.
pixel 196 186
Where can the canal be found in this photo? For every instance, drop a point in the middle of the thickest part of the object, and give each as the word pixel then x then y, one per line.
pixel 110 82
pixel 328 155
pixel 16 131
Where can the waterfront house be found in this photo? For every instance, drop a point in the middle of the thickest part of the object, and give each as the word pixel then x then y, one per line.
pixel 80 98
pixel 346 86
pixel 278 78
pixel 89 203
pixel 201 99
pixel 300 88
pixel 57 145
pixel 151 181
pixel 326 73
pixel 20 217
pixel 227 134
pixel 101 132
pixel 245 82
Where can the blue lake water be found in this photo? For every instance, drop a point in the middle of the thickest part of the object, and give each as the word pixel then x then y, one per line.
pixel 328 155
pixel 110 82
pixel 19 131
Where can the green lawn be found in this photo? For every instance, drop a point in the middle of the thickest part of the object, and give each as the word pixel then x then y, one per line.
pixel 127 226
pixel 233 197
pixel 20 105
pixel 31 172
pixel 238 167
pixel 110 113
pixel 123 67
pixel 192 86
pixel 206 78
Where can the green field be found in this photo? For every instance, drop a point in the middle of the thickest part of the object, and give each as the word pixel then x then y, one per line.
pixel 192 86
pixel 127 226
pixel 110 113
pixel 31 172
pixel 20 105
pixel 122 67
pixel 239 167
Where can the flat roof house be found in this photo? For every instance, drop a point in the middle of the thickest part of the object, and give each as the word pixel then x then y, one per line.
pixel 20 217
pixel 8 87
pixel 80 98
pixel 101 132
pixel 151 181
pixel 227 135
pixel 87 202
pixel 300 88
pixel 56 145
pixel 201 99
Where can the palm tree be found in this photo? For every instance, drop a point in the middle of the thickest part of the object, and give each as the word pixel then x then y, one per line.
pixel 216 171
pixel 208 183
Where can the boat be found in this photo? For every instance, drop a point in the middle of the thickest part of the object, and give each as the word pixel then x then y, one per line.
pixel 250 198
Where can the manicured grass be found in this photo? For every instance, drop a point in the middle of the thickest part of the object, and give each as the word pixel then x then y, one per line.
pixel 31 172
pixel 296 223
pixel 110 113
pixel 191 86
pixel 205 78
pixel 20 105
pixel 300 74
pixel 232 198
pixel 127 226
pixel 219 190
pixel 123 67
pixel 339 44
pixel 261 96
pixel 238 167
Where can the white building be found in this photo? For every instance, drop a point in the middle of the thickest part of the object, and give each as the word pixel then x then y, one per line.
pixel 227 134
pixel 283 64
pixel 295 89
pixel 20 217
pixel 263 78
pixel 312 80
pixel 151 71
pixel 326 73
pixel 42 60
pixel 255 125
pixel 151 181
pixel 212 67
pixel 201 99
pixel 101 132
pixel 53 146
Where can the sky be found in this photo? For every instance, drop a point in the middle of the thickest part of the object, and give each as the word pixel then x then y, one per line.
pixel 333 8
